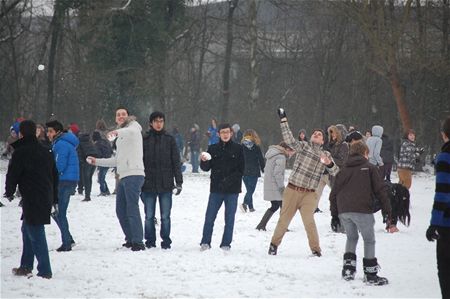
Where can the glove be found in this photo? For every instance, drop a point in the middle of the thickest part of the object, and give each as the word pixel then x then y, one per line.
pixel 432 233
pixel 55 210
pixel 177 190
pixel 281 189
pixel 281 113
pixel 335 223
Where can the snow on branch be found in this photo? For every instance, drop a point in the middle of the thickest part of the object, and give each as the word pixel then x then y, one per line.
pixel 123 7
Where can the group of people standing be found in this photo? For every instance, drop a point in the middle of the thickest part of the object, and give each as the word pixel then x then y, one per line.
pixel 148 168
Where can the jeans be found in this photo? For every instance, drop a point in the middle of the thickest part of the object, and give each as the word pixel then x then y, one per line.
pixel 250 185
pixel 195 155
pixel 165 206
pixel 102 171
pixel 87 172
pixel 354 222
pixel 127 207
pixel 65 189
pixel 214 204
pixel 35 244
pixel 443 261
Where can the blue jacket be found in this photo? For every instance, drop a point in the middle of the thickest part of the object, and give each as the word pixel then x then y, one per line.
pixel 440 215
pixel 66 157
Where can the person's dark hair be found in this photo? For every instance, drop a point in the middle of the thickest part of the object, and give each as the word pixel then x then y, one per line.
pixel 284 145
pixel 56 125
pixel 123 108
pixel 319 130
pixel 223 126
pixel 27 128
pixel 96 136
pixel 155 115
pixel 353 136
pixel 359 147
pixel 446 127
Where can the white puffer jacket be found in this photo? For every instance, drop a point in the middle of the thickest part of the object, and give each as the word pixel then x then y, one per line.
pixel 129 150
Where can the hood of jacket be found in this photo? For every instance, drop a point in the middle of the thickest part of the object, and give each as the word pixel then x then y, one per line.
pixel 355 160
pixel 70 138
pixel 377 131
pixel 273 151
pixel 128 121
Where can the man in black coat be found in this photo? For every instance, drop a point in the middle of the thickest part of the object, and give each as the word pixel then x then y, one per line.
pixel 387 154
pixel 85 149
pixel 33 168
pixel 162 167
pixel 226 162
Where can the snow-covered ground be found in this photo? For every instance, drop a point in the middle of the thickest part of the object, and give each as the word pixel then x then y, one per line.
pixel 99 267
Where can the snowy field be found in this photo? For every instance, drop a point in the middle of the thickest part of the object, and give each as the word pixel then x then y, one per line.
pixel 98 267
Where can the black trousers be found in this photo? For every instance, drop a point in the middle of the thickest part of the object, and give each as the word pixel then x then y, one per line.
pixel 443 261
pixel 275 205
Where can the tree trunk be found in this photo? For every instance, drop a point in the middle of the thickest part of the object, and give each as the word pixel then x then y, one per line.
pixel 227 65
pixel 254 90
pixel 399 96
pixel 56 26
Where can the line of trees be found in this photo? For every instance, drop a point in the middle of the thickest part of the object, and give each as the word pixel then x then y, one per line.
pixel 357 62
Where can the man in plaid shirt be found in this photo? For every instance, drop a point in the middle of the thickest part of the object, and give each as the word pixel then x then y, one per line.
pixel 310 163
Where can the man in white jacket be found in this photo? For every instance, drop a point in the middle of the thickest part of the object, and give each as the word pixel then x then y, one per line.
pixel 130 167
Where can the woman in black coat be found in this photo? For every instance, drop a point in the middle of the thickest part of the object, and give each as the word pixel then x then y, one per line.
pixel 254 164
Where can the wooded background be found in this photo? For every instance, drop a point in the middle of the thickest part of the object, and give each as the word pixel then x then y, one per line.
pixel 356 62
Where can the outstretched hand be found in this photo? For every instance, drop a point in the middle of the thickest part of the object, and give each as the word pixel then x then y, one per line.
pixel 281 113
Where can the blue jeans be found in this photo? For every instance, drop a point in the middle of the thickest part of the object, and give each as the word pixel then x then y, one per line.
pixel 195 155
pixel 35 244
pixel 127 207
pixel 165 206
pixel 250 185
pixel 214 204
pixel 65 190
pixel 101 179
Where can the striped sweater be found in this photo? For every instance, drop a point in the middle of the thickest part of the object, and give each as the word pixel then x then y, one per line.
pixel 307 169
pixel 440 215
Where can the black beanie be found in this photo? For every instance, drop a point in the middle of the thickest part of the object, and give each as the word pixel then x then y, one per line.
pixel 27 128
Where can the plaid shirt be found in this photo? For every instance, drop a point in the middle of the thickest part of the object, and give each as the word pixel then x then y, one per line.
pixel 307 169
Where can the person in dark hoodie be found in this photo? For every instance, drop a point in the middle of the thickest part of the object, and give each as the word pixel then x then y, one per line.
pixel 387 154
pixel 162 168
pixel 226 162
pixel 104 150
pixel 439 228
pixel 85 149
pixel 64 150
pixel 33 169
pixel 254 164
pixel 351 205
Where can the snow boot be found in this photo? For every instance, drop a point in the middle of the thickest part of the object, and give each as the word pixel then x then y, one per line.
pixel 349 268
pixel 370 273
pixel 273 249
pixel 262 224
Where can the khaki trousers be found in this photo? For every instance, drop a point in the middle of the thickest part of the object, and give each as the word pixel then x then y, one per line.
pixel 405 177
pixel 305 203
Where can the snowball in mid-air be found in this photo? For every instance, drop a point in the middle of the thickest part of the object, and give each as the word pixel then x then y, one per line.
pixel 41 67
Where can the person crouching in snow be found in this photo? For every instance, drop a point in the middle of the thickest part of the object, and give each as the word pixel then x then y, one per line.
pixel 351 205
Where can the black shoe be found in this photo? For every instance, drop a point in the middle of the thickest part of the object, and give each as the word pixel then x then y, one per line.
pixel 273 249
pixel 64 248
pixel 46 276
pixel 150 244
pixel 317 253
pixel 373 279
pixel 72 243
pixel 137 246
pixel 127 244
pixel 318 210
pixel 252 210
pixel 166 247
pixel 87 198
pixel 21 271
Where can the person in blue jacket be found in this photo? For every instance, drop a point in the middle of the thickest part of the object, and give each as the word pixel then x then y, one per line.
pixel 439 228
pixel 64 146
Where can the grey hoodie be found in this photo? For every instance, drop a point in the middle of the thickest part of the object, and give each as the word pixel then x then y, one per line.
pixel 374 144
pixel 274 173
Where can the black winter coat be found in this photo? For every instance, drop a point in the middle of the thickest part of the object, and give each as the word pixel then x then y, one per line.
pixel 161 162
pixel 104 148
pixel 86 147
pixel 254 161
pixel 227 167
pixel 387 149
pixel 33 168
